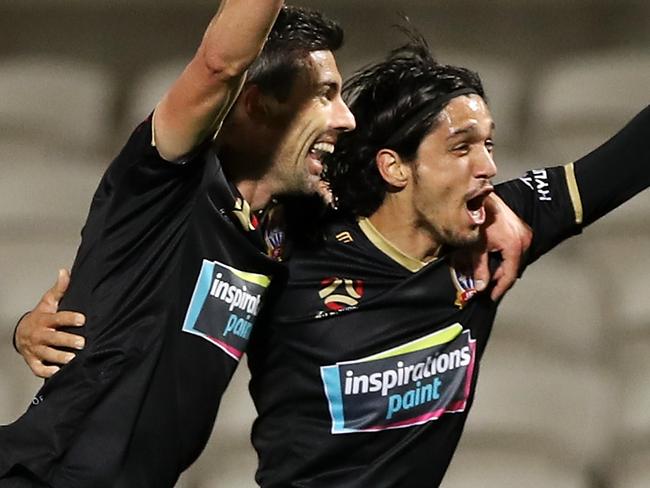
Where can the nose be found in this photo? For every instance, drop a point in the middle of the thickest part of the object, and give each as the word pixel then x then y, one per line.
pixel 342 117
pixel 486 167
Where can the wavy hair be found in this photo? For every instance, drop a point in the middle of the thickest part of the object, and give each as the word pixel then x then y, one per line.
pixel 396 103
pixel 295 33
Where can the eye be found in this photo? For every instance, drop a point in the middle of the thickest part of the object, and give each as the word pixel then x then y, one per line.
pixel 323 99
pixel 461 148
pixel 329 92
pixel 489 144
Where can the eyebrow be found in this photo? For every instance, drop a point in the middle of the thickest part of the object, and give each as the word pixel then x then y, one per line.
pixel 467 129
pixel 330 84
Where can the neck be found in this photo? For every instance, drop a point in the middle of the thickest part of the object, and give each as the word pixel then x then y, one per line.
pixel 256 192
pixel 245 168
pixel 403 230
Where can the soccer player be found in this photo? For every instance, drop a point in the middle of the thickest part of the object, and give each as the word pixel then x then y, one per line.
pixel 378 334
pixel 170 272
pixel 172 268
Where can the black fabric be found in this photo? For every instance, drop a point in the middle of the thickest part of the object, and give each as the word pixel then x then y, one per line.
pixel 616 171
pixel 534 198
pixel 20 478
pixel 311 432
pixel 379 322
pixel 136 406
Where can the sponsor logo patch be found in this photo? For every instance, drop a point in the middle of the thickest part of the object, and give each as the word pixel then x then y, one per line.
pixel 224 306
pixel 411 384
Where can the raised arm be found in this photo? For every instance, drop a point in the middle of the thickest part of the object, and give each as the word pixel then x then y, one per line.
pixel 595 185
pixel 191 110
pixel 616 171
pixel 559 202
pixel 200 98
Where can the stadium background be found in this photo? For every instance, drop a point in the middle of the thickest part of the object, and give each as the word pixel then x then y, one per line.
pixel 564 398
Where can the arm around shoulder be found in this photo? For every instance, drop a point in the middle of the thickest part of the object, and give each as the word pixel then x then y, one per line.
pixel 37 338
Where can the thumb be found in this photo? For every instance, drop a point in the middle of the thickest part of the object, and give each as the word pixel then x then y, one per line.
pixel 481 271
pixel 61 285
pixel 53 295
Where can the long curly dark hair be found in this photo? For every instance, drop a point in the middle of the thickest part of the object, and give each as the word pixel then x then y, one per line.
pixel 390 101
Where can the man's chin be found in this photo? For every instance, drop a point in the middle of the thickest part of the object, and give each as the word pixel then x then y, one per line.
pixel 307 187
pixel 468 239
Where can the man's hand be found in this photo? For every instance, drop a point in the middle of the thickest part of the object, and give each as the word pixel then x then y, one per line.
pixel 505 233
pixel 37 337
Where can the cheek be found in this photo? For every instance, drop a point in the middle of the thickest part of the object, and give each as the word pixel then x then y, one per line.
pixel 318 118
pixel 446 204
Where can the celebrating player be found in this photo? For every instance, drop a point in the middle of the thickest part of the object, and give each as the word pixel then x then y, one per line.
pixel 172 216
pixel 171 273
pixel 379 336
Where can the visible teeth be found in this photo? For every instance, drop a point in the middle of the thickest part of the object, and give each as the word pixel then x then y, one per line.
pixel 325 147
pixel 477 216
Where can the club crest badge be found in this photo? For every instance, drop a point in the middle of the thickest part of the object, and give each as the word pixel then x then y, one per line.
pixel 465 287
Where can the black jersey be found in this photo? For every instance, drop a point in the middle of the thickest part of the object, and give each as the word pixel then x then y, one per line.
pixel 171 278
pixel 366 373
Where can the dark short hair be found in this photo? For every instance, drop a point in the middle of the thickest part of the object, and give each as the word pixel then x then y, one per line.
pixel 296 32
pixel 396 103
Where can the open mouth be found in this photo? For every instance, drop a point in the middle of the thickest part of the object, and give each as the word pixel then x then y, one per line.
pixel 476 206
pixel 319 149
pixel 316 154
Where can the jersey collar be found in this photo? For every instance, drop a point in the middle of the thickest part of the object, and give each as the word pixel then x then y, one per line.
pixel 388 248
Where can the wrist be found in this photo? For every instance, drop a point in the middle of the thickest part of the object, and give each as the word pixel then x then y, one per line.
pixel 13 340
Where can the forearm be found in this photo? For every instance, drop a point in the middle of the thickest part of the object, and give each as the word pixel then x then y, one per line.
pixel 558 202
pixel 201 97
pixel 236 35
pixel 616 171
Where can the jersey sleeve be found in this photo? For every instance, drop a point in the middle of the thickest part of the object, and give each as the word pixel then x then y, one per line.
pixel 617 170
pixel 558 202
pixel 129 243
pixel 139 169
pixel 548 201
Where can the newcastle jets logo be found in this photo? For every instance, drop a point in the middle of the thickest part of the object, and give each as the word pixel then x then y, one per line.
pixel 274 239
pixel 465 288
pixel 338 293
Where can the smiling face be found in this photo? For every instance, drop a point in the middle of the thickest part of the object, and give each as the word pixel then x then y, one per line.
pixel 307 125
pixel 450 176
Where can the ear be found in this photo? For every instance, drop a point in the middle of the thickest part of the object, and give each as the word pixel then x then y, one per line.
pixel 258 106
pixel 392 168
